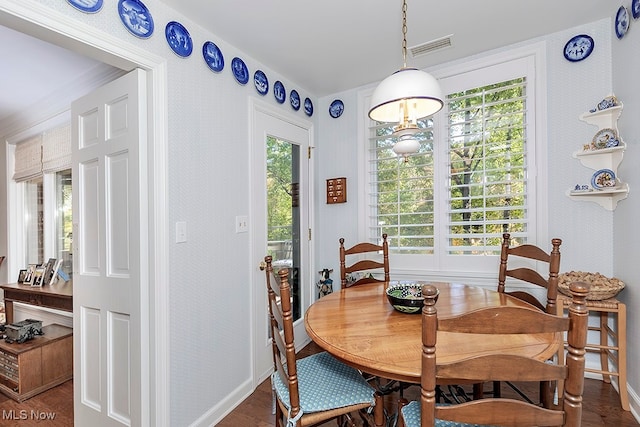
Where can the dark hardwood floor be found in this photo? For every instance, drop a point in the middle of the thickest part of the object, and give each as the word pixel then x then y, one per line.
pixel 54 408
pixel 601 405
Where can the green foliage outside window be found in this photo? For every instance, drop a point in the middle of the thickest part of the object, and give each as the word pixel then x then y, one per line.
pixel 487 164
pixel 279 194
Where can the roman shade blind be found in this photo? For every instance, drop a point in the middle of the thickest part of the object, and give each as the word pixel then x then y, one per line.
pixel 56 149
pixel 46 152
pixel 28 159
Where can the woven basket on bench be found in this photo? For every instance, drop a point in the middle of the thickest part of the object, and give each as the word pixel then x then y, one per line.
pixel 602 287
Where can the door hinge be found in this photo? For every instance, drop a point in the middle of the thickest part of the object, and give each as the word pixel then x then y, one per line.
pixel 308 152
pixel 309 234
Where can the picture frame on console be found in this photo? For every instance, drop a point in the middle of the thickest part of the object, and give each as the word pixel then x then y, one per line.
pixel 55 273
pixel 38 276
pixel 28 278
pixel 22 275
pixel 48 271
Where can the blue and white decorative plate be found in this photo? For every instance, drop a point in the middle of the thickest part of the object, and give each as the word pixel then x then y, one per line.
pixel 294 98
pixel 88 6
pixel 602 137
pixel 179 39
pixel 578 48
pixel 635 9
pixel 308 107
pixel 261 82
pixel 136 18
pixel 213 56
pixel 240 70
pixel 279 92
pixel 622 22
pixel 604 178
pixel 336 108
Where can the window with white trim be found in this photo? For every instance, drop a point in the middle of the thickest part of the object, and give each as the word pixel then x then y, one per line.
pixel 42 175
pixel 446 207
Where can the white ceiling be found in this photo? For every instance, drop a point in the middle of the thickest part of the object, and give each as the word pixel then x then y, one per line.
pixel 324 46
pixel 33 70
pixel 331 45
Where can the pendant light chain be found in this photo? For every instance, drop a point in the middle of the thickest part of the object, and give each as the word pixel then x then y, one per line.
pixel 404 97
pixel 404 34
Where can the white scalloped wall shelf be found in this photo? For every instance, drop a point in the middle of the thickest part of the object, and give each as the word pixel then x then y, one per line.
pixel 605 158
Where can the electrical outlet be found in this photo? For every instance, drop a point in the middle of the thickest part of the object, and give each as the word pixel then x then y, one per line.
pixel 242 224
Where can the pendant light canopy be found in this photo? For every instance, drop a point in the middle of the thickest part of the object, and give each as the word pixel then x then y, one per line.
pixel 405 97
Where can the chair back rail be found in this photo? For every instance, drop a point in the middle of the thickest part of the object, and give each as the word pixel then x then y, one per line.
pixel 504 320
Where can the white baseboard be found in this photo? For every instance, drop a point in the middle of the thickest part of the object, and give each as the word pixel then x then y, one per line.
pixel 215 414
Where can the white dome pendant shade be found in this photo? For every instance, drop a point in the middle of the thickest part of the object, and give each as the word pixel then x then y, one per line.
pixel 418 90
pixel 405 97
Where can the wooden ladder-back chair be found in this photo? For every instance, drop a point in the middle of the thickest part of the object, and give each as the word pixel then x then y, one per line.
pixel 500 366
pixel 364 264
pixel 316 388
pixel 529 275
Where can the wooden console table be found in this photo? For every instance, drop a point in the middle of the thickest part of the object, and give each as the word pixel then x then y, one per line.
pixel 57 296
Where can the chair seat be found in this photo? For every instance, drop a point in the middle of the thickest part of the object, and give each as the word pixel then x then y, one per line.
pixel 411 414
pixel 324 383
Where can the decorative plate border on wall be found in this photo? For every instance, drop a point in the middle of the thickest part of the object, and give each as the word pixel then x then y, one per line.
pixel 87 6
pixel 137 19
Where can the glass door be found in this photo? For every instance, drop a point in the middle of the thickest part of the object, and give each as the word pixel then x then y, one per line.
pixel 283 212
pixel 280 211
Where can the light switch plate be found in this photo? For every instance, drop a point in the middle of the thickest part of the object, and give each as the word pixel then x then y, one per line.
pixel 181 232
pixel 242 224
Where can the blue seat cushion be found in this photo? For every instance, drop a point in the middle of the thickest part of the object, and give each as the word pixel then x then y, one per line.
pixel 325 383
pixel 411 414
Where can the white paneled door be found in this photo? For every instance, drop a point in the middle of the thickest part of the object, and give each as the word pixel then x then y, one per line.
pixel 109 136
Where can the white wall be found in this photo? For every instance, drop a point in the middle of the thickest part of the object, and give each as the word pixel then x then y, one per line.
pixel 626 234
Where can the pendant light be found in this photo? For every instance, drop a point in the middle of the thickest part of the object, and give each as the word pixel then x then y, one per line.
pixel 405 97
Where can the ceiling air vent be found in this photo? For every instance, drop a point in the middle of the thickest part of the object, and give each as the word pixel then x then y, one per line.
pixel 432 46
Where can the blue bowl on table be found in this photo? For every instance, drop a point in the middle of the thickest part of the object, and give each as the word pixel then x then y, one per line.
pixel 406 297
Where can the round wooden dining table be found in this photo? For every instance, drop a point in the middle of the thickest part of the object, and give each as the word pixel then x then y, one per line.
pixel 360 327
